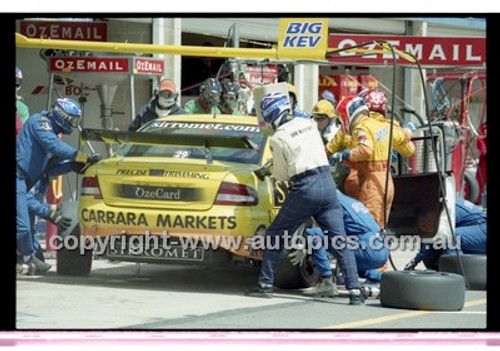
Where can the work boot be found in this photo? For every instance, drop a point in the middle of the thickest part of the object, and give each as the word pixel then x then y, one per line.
pixel 40 266
pixel 261 290
pixel 356 297
pixel 324 288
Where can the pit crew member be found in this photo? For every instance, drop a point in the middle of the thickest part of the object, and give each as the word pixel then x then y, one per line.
pixel 371 254
pixel 36 145
pixel 299 158
pixel 470 227
pixel 296 110
pixel 324 115
pixel 371 147
pixel 208 100
pixel 229 98
pixel 163 103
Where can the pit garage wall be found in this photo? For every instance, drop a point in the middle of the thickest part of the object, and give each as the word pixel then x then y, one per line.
pixel 35 91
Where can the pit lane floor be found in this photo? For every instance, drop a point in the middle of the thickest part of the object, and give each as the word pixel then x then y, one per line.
pixel 175 297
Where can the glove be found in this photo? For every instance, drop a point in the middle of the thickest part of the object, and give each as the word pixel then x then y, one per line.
pixel 93 158
pixel 56 217
pixel 297 256
pixel 411 265
pixel 339 157
pixel 411 126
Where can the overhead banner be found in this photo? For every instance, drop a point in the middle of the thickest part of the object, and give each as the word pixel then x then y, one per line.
pixel 93 31
pixel 430 51
pixel 303 38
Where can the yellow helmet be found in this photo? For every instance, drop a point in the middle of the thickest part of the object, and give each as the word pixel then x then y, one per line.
pixel 324 107
pixel 292 90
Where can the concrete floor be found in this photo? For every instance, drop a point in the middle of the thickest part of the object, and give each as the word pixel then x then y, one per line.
pixel 175 297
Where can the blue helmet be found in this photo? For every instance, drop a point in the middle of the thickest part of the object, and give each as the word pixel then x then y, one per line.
pixel 328 95
pixel 274 106
pixel 19 77
pixel 66 113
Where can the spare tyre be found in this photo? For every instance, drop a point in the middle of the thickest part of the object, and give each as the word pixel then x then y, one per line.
pixel 422 290
pixel 474 268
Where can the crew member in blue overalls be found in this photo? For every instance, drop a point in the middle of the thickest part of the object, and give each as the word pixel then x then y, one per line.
pixel 470 229
pixel 370 254
pixel 299 158
pixel 37 147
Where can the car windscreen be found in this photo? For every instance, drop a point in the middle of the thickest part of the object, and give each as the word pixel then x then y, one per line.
pixel 225 154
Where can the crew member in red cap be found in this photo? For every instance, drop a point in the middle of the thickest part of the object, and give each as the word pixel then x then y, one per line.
pixel 163 103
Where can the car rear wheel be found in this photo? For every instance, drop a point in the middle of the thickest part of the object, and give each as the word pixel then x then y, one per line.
pixel 474 268
pixel 289 276
pixel 70 261
pixel 422 290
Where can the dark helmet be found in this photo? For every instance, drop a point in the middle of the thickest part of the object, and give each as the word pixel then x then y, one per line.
pixel 229 96
pixel 210 91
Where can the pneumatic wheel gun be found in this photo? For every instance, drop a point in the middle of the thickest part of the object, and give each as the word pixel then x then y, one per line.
pixel 264 171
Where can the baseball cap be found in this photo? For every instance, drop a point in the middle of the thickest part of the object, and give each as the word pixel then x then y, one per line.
pixel 167 84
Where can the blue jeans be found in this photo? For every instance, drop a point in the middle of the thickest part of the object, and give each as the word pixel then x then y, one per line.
pixel 313 195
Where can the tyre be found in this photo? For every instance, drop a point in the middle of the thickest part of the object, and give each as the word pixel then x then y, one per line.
pixel 289 276
pixel 72 262
pixel 422 290
pixel 471 187
pixel 474 268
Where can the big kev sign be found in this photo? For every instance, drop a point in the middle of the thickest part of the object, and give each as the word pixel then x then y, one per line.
pixel 430 51
pixel 303 38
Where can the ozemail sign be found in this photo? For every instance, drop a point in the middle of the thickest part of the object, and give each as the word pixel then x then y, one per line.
pixel 93 31
pixel 430 51
pixel 89 64
pixel 148 66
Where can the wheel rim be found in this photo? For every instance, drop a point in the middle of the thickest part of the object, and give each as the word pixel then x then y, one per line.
pixel 308 271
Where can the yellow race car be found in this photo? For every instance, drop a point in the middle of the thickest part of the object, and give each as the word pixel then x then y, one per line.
pixel 183 189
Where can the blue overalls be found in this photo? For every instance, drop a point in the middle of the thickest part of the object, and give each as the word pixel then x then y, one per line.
pixel 37 208
pixel 312 194
pixel 297 112
pixel 371 252
pixel 470 226
pixel 35 145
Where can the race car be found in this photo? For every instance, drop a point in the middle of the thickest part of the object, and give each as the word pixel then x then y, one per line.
pixel 183 189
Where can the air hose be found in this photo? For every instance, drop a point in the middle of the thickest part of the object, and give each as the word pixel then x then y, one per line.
pixel 440 174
